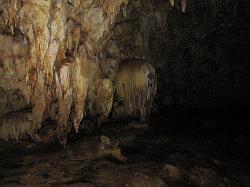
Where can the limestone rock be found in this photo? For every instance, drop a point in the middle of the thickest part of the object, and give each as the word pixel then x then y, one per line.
pixel 136 87
pixel 57 66
pixel 49 53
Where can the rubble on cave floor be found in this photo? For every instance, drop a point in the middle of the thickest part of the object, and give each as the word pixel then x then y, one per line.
pixel 134 155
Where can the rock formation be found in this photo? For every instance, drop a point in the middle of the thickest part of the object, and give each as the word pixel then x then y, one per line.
pixel 62 62
pixel 54 66
pixel 136 98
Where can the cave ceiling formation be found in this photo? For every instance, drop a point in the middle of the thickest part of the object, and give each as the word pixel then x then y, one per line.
pixel 62 62
pixel 59 62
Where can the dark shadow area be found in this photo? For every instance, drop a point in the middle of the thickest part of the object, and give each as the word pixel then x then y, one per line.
pixel 199 131
pixel 181 147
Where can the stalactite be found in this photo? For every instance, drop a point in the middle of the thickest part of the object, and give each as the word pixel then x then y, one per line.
pixel 63 42
pixel 53 57
pixel 136 88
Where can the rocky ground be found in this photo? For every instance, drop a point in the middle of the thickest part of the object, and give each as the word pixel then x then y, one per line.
pixel 205 153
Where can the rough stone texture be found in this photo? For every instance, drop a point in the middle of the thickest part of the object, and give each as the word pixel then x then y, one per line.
pixel 49 54
pixel 130 155
pixel 54 66
pixel 201 54
pixel 59 60
pixel 136 98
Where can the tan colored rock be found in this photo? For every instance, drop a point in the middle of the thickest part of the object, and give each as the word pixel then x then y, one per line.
pixel 136 88
pixel 173 171
pixel 54 71
pixel 110 149
pixel 53 65
pixel 100 99
pixel 141 180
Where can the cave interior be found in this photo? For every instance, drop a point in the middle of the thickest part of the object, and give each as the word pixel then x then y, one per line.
pixel 133 93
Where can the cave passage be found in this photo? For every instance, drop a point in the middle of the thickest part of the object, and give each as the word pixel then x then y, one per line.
pixel 133 93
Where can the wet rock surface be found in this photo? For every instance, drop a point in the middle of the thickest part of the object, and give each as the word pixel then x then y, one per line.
pixel 54 62
pixel 132 154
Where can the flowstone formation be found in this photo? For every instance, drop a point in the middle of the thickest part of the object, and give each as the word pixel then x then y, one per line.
pixel 54 68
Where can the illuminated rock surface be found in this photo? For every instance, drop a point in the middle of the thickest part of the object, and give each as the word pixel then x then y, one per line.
pixel 53 66
pixel 87 66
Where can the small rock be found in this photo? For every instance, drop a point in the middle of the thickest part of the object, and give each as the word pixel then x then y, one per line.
pixel 173 171
pixel 30 179
pixel 108 148
pixel 141 180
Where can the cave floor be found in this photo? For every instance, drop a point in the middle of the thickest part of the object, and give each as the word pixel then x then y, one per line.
pixel 166 155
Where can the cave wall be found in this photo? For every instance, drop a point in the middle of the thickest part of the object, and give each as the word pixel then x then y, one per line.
pixel 202 55
pixel 59 60
pixel 49 57
pixel 200 49
pixel 57 68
